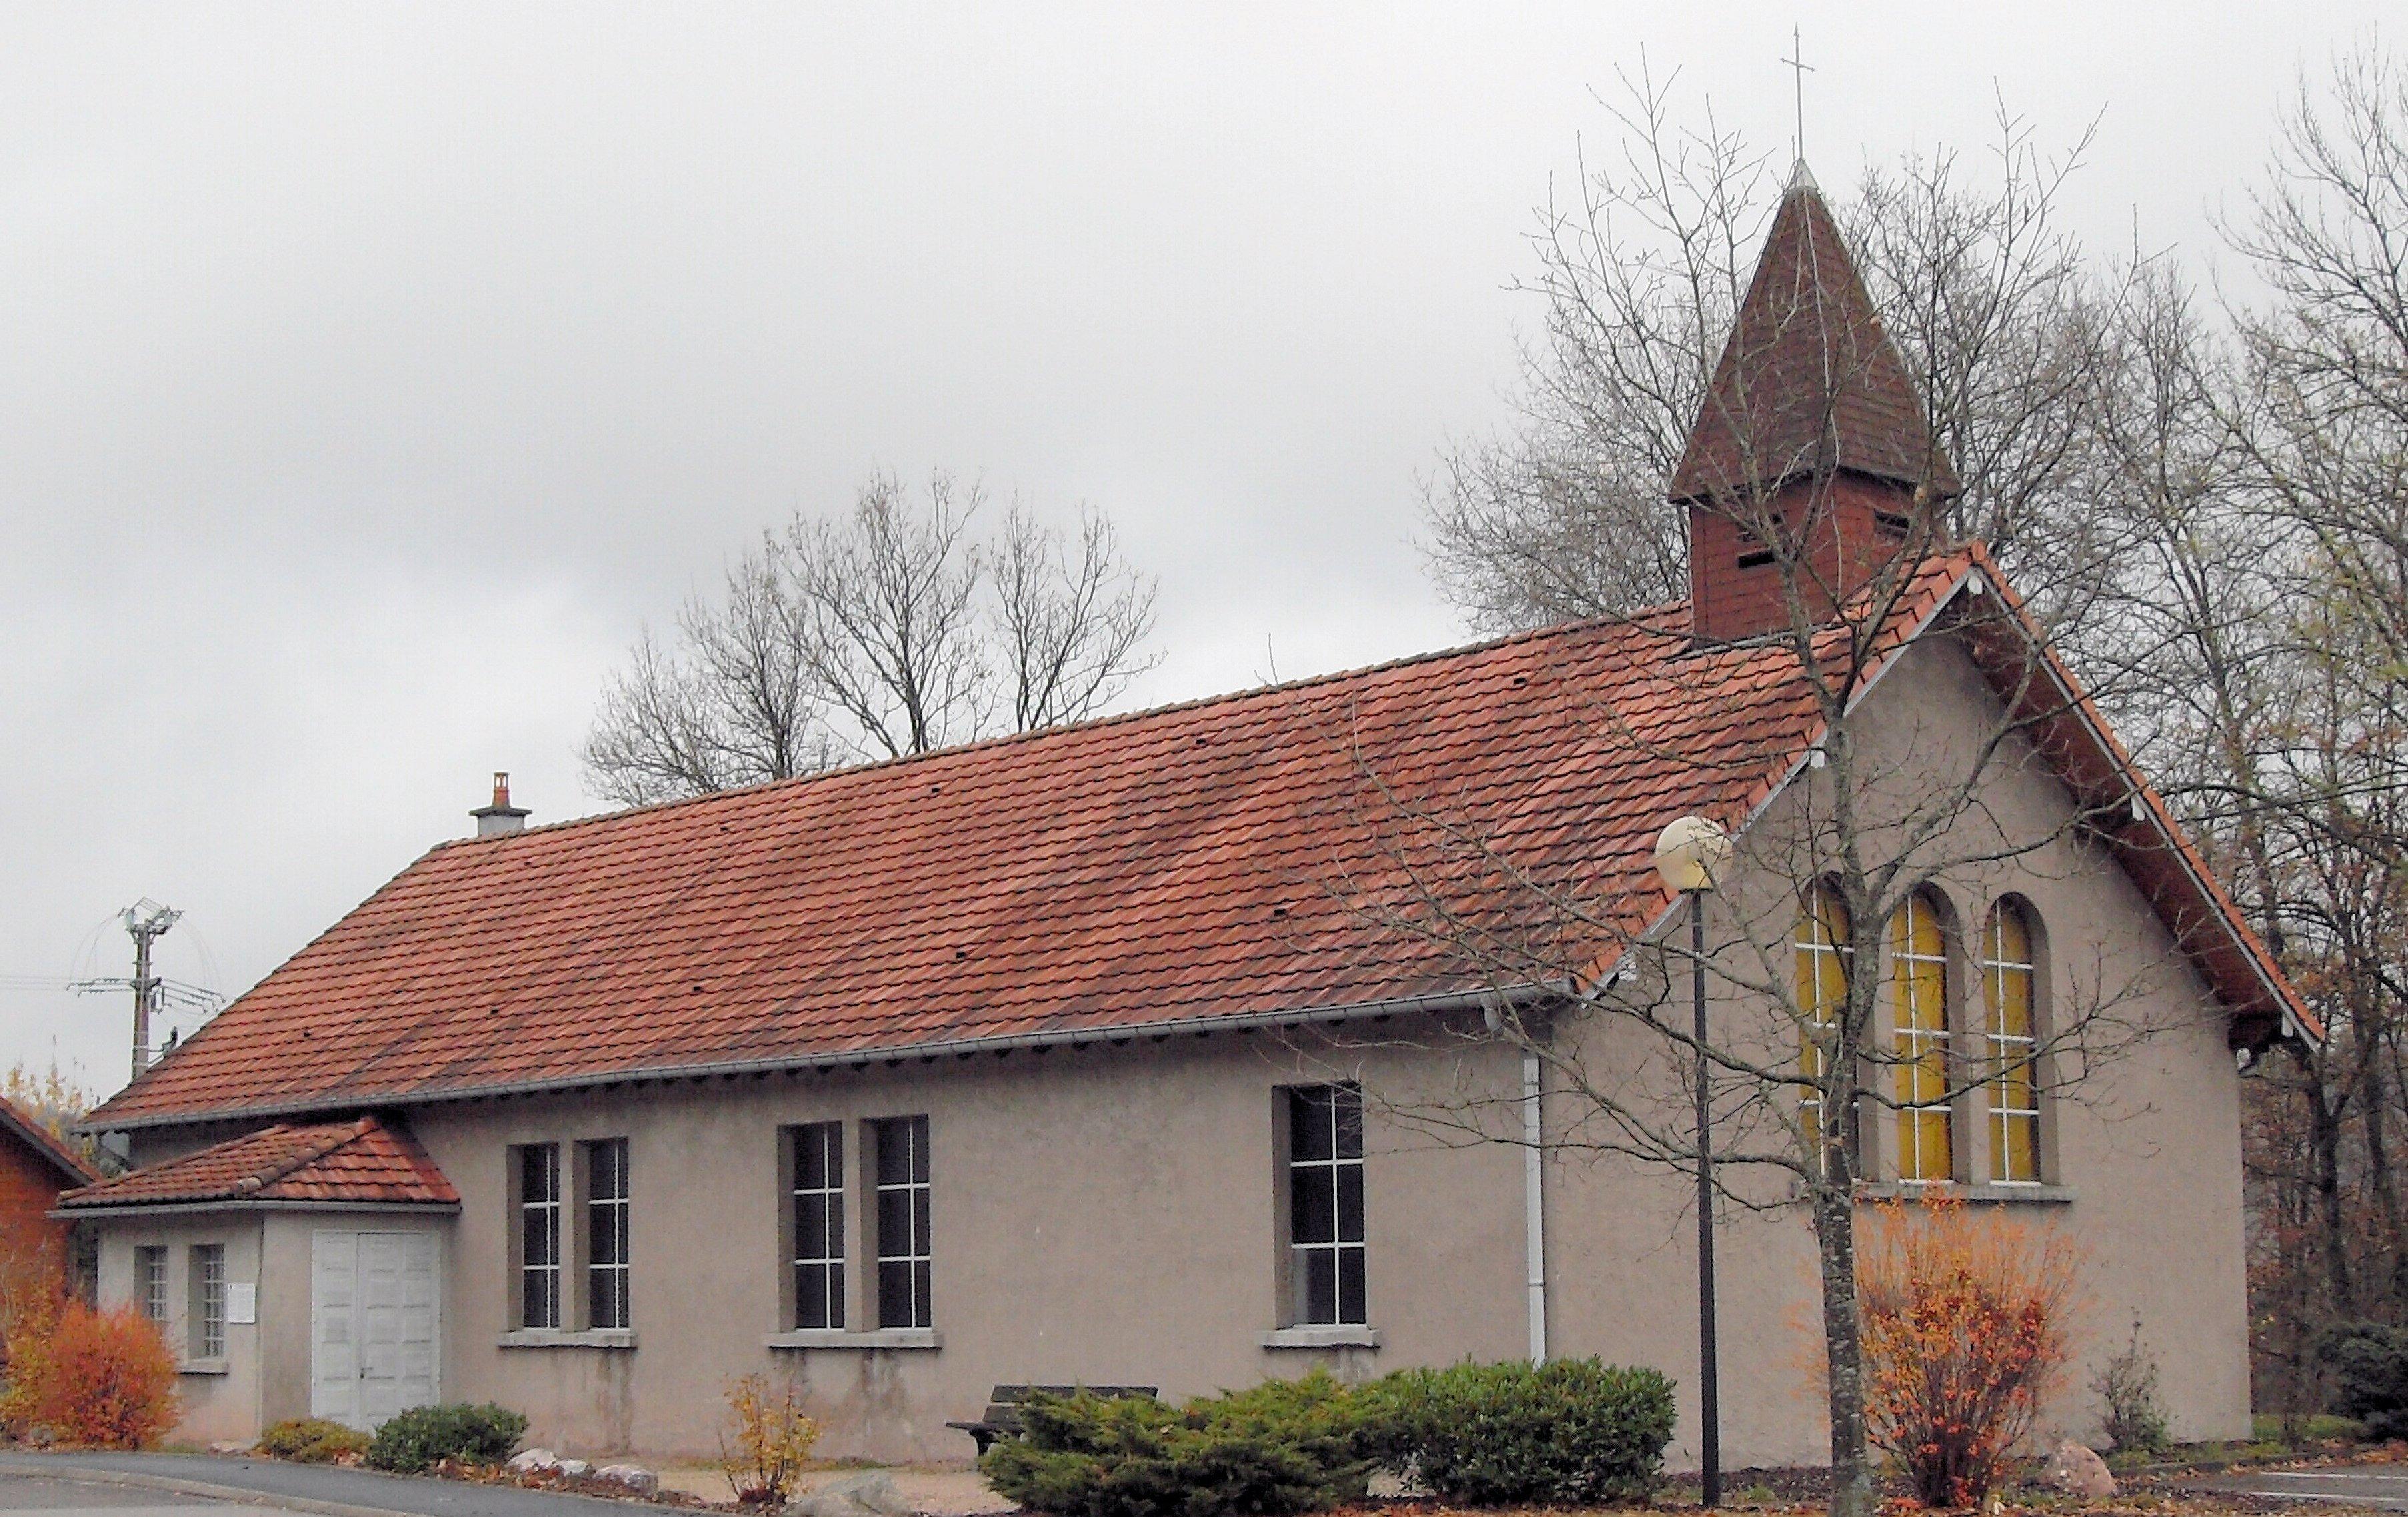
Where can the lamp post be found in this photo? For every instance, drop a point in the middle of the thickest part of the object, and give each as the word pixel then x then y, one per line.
pixel 1689 854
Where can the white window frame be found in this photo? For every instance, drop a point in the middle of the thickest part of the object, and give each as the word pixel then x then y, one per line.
pixel 151 1281
pixel 206 1262
pixel 607 1218
pixel 2008 1049
pixel 826 1200
pixel 1914 1044
pixel 915 1256
pixel 545 1213
pixel 1337 1166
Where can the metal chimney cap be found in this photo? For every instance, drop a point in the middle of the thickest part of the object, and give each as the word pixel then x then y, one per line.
pixel 501 816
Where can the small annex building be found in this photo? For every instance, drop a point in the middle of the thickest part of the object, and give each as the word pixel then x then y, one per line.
pixel 1078 1056
pixel 35 1168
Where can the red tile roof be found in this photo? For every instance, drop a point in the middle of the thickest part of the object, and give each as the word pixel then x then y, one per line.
pixel 1162 870
pixel 1809 380
pixel 362 1161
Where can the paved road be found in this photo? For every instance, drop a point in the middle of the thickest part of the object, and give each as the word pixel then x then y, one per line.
pixel 2382 1490
pixel 199 1485
pixel 39 1493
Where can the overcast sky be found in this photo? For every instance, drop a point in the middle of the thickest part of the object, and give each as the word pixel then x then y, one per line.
pixel 373 374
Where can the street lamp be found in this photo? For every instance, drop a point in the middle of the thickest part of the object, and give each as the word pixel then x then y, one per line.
pixel 1690 856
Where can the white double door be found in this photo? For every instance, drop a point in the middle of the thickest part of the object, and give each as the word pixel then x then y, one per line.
pixel 376 1320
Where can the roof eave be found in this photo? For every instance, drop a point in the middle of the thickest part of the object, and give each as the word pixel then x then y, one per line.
pixel 964 1047
pixel 248 1203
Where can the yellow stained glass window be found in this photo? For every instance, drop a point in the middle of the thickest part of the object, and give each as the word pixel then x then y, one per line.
pixel 1918 955
pixel 1821 943
pixel 2008 977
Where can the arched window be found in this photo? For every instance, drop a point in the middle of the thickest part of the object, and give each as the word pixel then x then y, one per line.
pixel 1918 968
pixel 1821 943
pixel 2008 981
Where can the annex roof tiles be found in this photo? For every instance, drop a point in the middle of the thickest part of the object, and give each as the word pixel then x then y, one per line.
pixel 349 1163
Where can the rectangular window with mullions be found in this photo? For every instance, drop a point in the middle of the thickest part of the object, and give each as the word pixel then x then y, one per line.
pixel 208 1317
pixel 819 1225
pixel 151 1281
pixel 902 1190
pixel 1324 1175
pixel 606 1234
pixel 538 1197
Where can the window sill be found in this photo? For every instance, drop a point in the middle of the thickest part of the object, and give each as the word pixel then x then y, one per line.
pixel 1986 1193
pixel 204 1366
pixel 553 1338
pixel 837 1337
pixel 1322 1338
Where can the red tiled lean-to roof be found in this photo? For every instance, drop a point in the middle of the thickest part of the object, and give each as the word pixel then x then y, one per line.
pixel 1171 869
pixel 354 1162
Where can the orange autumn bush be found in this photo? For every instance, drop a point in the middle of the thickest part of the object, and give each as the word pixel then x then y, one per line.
pixel 102 1379
pixel 1966 1330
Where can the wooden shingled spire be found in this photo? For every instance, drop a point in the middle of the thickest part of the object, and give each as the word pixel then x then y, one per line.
pixel 1812 428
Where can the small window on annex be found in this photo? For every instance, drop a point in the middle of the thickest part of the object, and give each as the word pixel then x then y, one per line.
pixel 1918 977
pixel 2009 986
pixel 818 1200
pixel 1821 948
pixel 537 1195
pixel 606 1234
pixel 1327 1249
pixel 151 1281
pixel 208 1313
pixel 903 1191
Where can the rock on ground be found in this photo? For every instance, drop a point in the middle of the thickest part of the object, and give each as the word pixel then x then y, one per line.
pixel 858 1495
pixel 533 1462
pixel 2078 1471
pixel 633 1477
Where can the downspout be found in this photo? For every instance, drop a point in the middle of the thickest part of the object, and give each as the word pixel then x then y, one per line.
pixel 1534 1207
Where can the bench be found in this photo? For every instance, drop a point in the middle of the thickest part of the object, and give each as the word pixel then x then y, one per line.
pixel 1002 1416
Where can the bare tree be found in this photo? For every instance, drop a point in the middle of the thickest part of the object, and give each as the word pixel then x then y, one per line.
pixel 889 631
pixel 885 606
pixel 2000 316
pixel 1071 621
pixel 2315 405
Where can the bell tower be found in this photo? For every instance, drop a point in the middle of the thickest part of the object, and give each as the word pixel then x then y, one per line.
pixel 1811 463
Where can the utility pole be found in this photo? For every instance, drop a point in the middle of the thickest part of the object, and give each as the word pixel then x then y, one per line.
pixel 146 922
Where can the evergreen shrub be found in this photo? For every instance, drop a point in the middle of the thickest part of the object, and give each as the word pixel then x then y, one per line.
pixel 415 1441
pixel 1281 1447
pixel 2370 1366
pixel 1569 1431
pixel 311 1440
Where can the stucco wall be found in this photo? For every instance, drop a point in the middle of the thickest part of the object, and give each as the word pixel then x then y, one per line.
pixel 221 1395
pixel 2142 1156
pixel 1103 1216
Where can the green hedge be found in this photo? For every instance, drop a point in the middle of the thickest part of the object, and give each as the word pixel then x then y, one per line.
pixel 1569 1431
pixel 1283 1447
pixel 2370 1363
pixel 423 1437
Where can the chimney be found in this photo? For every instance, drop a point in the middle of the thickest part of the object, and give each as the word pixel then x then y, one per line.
pixel 1812 441
pixel 501 816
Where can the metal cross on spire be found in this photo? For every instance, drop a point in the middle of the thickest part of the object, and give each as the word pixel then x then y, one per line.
pixel 1796 61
